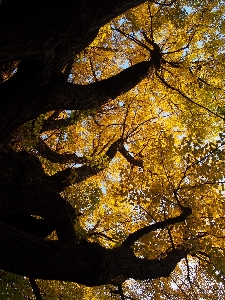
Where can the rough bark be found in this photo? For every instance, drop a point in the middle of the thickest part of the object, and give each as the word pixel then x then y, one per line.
pixel 45 37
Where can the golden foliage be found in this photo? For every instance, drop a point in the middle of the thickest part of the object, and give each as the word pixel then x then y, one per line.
pixel 173 121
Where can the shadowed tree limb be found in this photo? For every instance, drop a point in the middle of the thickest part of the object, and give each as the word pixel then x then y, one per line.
pixel 130 158
pixel 133 237
pixel 51 124
pixel 65 95
pixel 86 263
pixel 68 176
pixel 65 178
pixel 62 95
pixel 56 157
pixel 35 288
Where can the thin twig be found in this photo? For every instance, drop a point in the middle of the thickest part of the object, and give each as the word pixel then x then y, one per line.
pixel 186 97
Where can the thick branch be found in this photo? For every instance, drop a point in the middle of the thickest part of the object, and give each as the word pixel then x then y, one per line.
pixel 156 268
pixel 52 124
pixel 65 95
pixel 62 95
pixel 56 157
pixel 65 178
pixel 133 237
pixel 27 255
pixel 130 158
pixel 62 179
pixel 55 124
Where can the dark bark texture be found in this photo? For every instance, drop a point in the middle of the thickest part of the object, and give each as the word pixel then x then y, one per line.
pixel 41 38
pixel 44 36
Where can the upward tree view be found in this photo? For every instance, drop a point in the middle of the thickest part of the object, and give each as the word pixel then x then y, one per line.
pixel 112 149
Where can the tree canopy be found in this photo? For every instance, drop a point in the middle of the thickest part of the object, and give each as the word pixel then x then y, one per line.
pixel 112 149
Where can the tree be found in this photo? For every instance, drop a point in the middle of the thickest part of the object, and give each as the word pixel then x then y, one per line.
pixel 112 144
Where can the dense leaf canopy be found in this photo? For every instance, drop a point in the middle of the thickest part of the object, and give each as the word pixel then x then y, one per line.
pixel 112 150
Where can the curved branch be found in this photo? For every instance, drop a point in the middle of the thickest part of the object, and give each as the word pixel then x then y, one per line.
pixel 156 268
pixel 61 95
pixel 126 265
pixel 65 95
pixel 56 157
pixel 133 237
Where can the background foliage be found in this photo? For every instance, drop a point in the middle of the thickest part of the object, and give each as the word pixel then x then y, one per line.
pixel 173 122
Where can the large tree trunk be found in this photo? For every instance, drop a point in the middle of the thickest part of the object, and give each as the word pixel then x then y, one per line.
pixel 54 29
pixel 45 36
pixel 27 255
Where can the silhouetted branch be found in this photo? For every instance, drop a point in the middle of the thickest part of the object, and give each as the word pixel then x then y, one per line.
pixel 35 288
pixel 51 123
pixel 133 237
pixel 56 157
pixel 130 158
